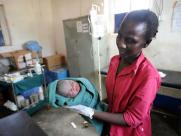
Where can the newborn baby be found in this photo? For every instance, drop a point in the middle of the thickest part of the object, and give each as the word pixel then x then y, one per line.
pixel 68 88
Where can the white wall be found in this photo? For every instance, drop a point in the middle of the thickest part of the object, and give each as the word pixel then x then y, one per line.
pixel 66 9
pixel 164 51
pixel 41 20
pixel 30 20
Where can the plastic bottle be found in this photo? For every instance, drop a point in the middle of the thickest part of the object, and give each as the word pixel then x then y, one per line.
pixel 20 100
pixel 27 103
pixel 38 68
pixel 40 93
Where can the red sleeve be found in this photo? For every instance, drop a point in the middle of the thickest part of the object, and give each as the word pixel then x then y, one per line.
pixel 141 103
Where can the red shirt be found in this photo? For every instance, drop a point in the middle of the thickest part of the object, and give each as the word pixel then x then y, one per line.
pixel 131 92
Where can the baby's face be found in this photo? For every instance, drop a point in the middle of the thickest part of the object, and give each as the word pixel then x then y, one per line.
pixel 68 88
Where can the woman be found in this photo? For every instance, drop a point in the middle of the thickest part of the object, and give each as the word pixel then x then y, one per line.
pixel 132 82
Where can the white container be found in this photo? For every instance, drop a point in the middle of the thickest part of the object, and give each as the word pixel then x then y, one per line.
pixel 20 101
pixel 38 68
pixel 27 103
pixel 32 100
pixel 40 93
pixel 36 97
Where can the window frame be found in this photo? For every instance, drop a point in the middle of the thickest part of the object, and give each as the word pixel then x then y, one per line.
pixel 4 26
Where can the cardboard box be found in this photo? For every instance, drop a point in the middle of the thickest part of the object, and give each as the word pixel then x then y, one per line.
pixel 6 55
pixel 54 61
pixel 35 55
pixel 19 57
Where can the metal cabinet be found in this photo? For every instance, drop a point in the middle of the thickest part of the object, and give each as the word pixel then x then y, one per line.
pixel 82 48
pixel 17 88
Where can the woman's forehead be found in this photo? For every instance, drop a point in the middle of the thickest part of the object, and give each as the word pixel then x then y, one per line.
pixel 131 27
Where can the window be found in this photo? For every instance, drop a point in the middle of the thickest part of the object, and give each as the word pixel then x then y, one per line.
pixel 176 17
pixel 121 6
pixel 116 9
pixel 118 18
pixel 4 31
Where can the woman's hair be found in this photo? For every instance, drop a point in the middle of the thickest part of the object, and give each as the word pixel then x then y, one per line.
pixel 149 18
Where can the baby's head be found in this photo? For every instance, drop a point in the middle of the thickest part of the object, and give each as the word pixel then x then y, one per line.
pixel 68 88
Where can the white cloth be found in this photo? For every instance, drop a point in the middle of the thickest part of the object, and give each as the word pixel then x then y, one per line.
pixel 10 105
pixel 81 109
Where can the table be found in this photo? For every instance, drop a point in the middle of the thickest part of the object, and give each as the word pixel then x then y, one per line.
pixel 172 79
pixel 19 124
pixel 14 89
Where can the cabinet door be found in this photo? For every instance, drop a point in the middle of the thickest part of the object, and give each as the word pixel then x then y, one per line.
pixel 85 53
pixel 71 47
pixel 79 47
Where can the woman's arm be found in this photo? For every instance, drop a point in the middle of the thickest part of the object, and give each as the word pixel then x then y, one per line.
pixel 113 118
